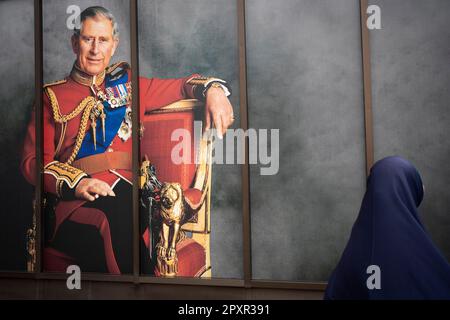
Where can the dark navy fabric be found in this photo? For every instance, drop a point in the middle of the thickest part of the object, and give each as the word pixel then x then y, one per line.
pixel 389 233
pixel 114 118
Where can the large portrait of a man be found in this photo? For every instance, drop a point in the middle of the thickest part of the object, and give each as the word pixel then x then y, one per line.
pixel 87 146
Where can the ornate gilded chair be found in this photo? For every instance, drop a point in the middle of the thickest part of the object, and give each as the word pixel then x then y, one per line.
pixel 168 132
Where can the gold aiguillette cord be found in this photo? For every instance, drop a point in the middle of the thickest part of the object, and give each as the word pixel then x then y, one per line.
pixel 94 126
pixel 103 117
pixel 98 110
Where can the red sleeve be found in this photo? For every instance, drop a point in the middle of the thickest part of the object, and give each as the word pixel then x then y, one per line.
pixel 48 144
pixel 28 163
pixel 156 93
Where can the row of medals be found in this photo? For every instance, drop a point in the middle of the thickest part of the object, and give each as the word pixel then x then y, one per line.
pixel 123 98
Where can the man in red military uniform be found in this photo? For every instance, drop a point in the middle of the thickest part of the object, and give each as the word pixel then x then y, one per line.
pixel 87 144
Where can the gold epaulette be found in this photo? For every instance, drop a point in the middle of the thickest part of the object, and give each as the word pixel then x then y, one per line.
pixel 55 83
pixel 114 66
pixel 64 173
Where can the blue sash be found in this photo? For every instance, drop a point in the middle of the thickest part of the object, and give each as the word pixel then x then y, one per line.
pixel 114 118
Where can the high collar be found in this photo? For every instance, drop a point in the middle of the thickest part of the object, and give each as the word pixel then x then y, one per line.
pixel 85 79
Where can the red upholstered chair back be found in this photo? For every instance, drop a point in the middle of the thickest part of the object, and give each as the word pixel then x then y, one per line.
pixel 157 144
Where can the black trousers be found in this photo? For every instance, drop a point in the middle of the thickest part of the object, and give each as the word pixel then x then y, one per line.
pixel 84 242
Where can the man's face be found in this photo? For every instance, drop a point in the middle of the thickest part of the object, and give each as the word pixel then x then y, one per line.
pixel 95 46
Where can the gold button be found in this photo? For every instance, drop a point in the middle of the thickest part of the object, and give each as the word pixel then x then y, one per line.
pixel 110 150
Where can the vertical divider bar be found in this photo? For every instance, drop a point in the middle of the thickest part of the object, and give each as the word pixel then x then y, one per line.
pixel 38 84
pixel 244 125
pixel 367 83
pixel 135 133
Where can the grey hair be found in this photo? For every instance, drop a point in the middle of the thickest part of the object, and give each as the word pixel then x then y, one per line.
pixel 95 11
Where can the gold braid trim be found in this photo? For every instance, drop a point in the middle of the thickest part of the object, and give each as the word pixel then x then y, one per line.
pixel 205 83
pixel 199 81
pixel 82 130
pixel 57 116
pixel 64 173
pixel 85 79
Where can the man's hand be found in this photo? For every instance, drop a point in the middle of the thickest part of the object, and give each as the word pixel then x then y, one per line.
pixel 90 189
pixel 219 108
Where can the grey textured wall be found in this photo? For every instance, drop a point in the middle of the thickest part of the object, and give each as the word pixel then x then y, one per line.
pixel 16 100
pixel 177 38
pixel 411 96
pixel 304 77
pixel 58 55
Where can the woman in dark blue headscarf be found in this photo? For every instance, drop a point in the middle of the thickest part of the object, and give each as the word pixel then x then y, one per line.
pixel 389 234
